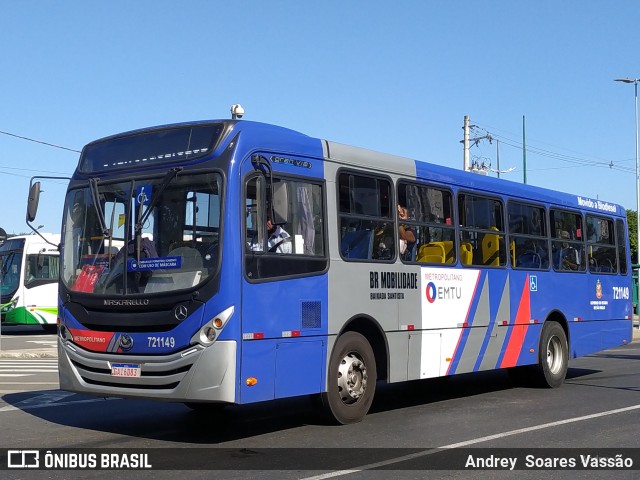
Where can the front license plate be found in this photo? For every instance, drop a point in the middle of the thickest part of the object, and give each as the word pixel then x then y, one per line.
pixel 125 370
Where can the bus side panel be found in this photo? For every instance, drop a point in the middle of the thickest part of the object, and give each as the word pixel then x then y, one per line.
pixel 41 304
pixel 495 334
pixel 478 337
pixel 287 320
pixel 258 362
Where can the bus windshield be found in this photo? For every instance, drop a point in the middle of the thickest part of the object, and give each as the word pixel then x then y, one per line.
pixel 142 237
pixel 10 274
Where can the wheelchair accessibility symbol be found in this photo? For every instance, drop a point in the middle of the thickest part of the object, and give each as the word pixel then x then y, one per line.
pixel 143 194
pixel 533 283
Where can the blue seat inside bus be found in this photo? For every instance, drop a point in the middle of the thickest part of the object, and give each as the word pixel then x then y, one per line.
pixel 358 244
pixel 529 260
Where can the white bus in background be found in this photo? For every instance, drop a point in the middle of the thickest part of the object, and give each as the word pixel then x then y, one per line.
pixel 29 280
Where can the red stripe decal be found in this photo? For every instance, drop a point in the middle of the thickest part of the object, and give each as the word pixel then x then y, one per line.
pixel 91 340
pixel 519 330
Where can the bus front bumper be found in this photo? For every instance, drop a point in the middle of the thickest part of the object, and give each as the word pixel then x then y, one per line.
pixel 198 374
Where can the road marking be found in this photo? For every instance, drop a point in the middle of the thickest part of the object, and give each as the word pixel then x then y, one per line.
pixel 13 408
pixel 431 451
pixel 22 368
pixel 43 399
pixel 29 383
pixel 23 372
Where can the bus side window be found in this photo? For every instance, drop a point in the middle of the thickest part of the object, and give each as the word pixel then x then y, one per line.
pixel 429 217
pixel 295 246
pixel 601 245
pixel 366 222
pixel 529 247
pixel 482 227
pixel 567 245
pixel 621 241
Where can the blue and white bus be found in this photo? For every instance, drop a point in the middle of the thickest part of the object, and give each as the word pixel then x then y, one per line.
pixel 231 262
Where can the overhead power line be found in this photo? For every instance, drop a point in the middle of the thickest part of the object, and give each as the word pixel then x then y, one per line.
pixel 39 141
pixel 571 159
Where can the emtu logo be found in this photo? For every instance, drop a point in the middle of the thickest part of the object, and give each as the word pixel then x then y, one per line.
pixel 442 293
pixel 431 292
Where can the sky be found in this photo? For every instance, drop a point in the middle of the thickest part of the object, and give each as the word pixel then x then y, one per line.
pixel 396 77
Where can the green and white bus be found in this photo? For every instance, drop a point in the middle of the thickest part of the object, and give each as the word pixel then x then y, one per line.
pixel 29 280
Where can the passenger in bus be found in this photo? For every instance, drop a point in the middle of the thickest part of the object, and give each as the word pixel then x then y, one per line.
pixel 569 256
pixel 406 234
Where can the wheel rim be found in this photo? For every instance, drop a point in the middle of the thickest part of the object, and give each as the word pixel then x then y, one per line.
pixel 554 355
pixel 352 378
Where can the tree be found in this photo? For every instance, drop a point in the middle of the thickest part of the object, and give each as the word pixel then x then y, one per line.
pixel 632 223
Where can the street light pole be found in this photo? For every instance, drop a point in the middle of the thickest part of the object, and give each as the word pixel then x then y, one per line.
pixel 635 84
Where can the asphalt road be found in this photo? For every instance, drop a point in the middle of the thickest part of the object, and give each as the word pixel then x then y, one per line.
pixel 413 431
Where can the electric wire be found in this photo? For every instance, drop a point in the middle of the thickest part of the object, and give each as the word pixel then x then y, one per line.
pixel 39 141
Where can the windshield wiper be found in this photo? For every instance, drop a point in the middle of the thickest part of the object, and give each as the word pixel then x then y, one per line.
pixel 93 184
pixel 6 263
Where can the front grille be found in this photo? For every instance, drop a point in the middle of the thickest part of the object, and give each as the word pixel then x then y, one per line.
pixel 169 386
pixel 129 328
pixel 156 373
pixel 106 371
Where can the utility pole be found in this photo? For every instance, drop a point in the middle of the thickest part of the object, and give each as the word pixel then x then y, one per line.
pixel 498 156
pixel 465 164
pixel 524 153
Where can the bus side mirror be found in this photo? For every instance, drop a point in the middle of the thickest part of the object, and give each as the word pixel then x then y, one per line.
pixel 280 203
pixel 32 202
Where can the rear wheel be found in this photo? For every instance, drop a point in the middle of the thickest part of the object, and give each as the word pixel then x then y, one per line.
pixel 553 355
pixel 352 379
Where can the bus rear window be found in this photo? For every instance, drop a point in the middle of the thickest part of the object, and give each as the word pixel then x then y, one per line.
pixel 154 147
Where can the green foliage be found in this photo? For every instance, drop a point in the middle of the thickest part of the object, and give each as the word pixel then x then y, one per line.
pixel 632 221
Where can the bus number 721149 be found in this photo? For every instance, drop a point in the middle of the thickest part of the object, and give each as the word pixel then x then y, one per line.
pixel 161 342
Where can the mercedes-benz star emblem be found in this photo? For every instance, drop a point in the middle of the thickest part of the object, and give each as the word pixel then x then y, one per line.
pixel 126 342
pixel 181 312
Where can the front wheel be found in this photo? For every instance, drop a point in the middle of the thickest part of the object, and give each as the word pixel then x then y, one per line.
pixel 352 379
pixel 553 355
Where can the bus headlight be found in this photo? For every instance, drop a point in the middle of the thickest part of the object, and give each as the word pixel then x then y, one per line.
pixel 210 330
pixel 11 305
pixel 210 333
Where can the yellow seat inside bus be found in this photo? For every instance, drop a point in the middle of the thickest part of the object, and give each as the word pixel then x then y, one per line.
pixel 436 252
pixel 466 253
pixel 490 249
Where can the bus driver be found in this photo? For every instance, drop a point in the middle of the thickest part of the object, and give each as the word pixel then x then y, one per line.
pixel 279 240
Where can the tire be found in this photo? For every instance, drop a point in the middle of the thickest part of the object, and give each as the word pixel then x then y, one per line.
pixel 352 379
pixel 553 356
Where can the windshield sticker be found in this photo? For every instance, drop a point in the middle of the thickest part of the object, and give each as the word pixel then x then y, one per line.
pixel 162 263
pixel 143 194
